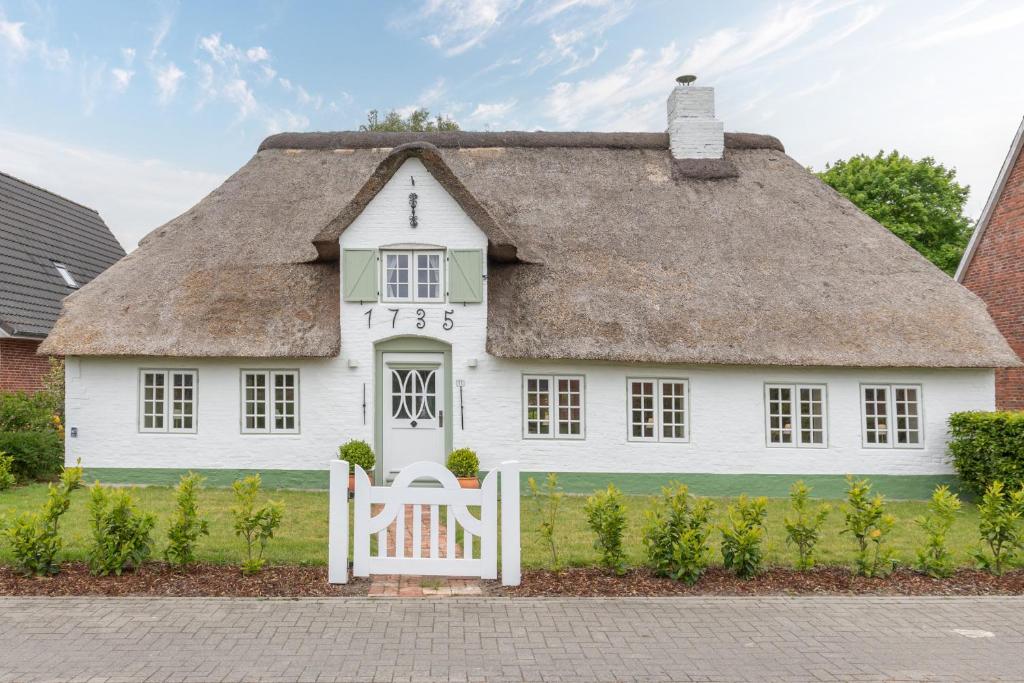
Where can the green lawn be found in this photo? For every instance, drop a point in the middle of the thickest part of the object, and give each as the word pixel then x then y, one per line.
pixel 302 538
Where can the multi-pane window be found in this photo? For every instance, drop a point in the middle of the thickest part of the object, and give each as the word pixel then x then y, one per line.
pixel 270 401
pixel 413 276
pixel 167 401
pixel 796 415
pixel 657 410
pixel 892 416
pixel 553 406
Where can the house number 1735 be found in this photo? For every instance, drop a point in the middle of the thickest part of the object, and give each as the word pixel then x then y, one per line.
pixel 447 321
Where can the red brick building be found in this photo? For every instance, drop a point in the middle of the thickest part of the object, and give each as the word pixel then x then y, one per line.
pixel 993 266
pixel 49 246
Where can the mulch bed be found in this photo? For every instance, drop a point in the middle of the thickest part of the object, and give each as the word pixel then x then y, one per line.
pixel 159 579
pixel 593 582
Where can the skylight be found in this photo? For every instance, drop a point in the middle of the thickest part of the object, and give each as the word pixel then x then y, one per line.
pixel 69 279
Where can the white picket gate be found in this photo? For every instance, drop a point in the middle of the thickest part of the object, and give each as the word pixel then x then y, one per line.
pixel 444 507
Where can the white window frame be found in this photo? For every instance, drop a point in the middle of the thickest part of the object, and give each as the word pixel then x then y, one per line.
pixel 797 415
pixel 890 416
pixel 65 274
pixel 269 400
pixel 659 409
pixel 414 283
pixel 553 407
pixel 167 410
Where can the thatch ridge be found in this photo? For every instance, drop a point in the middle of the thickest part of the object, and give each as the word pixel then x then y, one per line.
pixel 471 139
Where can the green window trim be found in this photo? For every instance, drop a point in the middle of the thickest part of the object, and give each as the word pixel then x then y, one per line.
pixel 359 275
pixel 465 276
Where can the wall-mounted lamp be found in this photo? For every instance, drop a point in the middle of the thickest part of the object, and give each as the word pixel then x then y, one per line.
pixel 471 362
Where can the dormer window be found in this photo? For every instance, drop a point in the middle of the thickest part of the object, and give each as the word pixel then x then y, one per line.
pixel 69 279
pixel 413 275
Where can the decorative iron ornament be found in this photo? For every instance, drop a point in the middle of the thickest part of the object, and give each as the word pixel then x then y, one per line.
pixel 413 221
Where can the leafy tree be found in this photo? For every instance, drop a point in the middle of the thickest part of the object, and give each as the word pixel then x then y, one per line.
pixel 919 201
pixel 419 121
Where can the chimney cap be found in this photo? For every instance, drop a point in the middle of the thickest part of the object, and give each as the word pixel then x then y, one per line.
pixel 686 79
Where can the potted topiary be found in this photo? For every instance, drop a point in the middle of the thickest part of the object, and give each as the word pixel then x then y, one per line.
pixel 464 464
pixel 357 452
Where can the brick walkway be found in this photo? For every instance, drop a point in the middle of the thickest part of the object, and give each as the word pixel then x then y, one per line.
pixel 392 586
pixel 465 639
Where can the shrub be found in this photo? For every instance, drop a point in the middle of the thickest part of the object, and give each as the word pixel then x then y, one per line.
pixel 463 462
pixel 935 559
pixel 21 412
pixel 606 515
pixel 357 452
pixel 121 535
pixel 7 479
pixel 36 455
pixel 676 534
pixel 803 524
pixel 868 522
pixel 987 447
pixel 546 502
pixel 35 536
pixel 186 526
pixel 256 525
pixel 742 534
pixel 1000 514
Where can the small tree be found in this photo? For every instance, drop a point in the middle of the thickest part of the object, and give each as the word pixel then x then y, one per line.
pixel 35 536
pixel 121 534
pixel 186 526
pixel 546 502
pixel 357 452
pixel 742 535
pixel 606 515
pixel 1000 527
pixel 869 523
pixel 934 558
pixel 676 534
pixel 256 525
pixel 803 524
pixel 419 121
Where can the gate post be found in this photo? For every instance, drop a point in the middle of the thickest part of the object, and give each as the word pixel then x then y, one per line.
pixel 511 572
pixel 337 522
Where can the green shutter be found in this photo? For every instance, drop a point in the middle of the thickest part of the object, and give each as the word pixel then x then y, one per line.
pixel 465 276
pixel 359 274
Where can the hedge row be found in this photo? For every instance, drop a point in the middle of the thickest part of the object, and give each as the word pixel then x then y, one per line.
pixel 987 447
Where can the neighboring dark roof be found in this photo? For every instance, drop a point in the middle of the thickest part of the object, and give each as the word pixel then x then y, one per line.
pixel 38 228
pixel 620 255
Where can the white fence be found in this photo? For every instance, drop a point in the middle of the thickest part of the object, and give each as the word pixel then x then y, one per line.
pixel 436 517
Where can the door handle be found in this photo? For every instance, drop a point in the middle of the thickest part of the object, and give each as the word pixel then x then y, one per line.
pixel 440 418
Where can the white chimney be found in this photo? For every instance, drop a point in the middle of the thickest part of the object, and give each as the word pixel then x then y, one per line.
pixel 693 130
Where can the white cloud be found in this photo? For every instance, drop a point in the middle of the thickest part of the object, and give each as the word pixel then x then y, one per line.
pixel 128 55
pixel 305 98
pixel 133 196
pixel 490 115
pixel 463 24
pixel 240 94
pixel 122 78
pixel 954 27
pixel 257 54
pixel 18 46
pixel 167 80
pixel 160 31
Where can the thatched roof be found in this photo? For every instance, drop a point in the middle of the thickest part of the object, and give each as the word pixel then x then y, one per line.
pixel 601 247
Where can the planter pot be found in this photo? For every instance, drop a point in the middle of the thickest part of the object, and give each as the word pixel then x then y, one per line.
pixel 469 482
pixel 352 481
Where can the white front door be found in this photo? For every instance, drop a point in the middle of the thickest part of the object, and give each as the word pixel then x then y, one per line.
pixel 413 405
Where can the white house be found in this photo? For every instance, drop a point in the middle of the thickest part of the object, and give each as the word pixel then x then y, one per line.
pixel 636 302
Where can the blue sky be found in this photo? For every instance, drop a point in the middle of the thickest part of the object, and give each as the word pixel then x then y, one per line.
pixel 139 109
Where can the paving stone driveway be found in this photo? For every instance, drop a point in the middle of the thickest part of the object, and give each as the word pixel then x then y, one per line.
pixel 469 639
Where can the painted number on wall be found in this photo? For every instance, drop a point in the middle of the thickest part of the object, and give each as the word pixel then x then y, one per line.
pixel 421 316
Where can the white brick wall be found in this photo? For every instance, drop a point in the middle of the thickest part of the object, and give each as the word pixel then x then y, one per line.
pixel 693 132
pixel 726 406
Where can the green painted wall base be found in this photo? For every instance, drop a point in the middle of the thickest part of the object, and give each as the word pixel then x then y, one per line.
pixel 896 487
